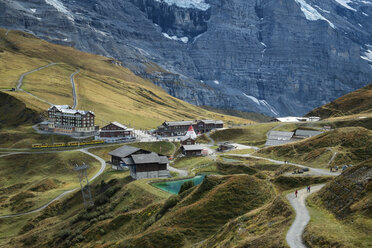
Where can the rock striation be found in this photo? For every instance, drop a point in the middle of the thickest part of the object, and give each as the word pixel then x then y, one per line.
pixel 277 57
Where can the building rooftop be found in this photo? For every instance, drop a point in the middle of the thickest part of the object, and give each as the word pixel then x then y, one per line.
pixel 124 151
pixel 307 133
pixel 179 123
pixel 192 147
pixel 279 135
pixel 128 161
pixel 119 124
pixel 186 138
pixel 66 109
pixel 277 142
pixel 150 158
pixel 212 121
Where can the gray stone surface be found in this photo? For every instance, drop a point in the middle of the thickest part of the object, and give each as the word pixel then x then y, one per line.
pixel 267 49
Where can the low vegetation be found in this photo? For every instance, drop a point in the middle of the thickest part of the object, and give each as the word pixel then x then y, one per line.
pixel 14 113
pixel 31 180
pixel 254 135
pixel 263 227
pixel 341 212
pixel 350 145
pixel 357 102
pixel 203 139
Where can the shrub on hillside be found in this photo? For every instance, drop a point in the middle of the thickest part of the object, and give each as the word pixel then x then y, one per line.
pixel 185 186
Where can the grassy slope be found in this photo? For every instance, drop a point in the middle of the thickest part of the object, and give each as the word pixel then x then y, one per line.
pixel 264 227
pixel 14 112
pixel 357 102
pixel 251 135
pixel 217 198
pixel 24 136
pixel 44 83
pixel 352 144
pixel 31 180
pixel 341 213
pixel 111 91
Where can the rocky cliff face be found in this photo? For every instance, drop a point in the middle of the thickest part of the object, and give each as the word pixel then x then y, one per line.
pixel 278 57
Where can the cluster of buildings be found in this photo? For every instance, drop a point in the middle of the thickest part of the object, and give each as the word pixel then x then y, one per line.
pixel 295 119
pixel 145 164
pixel 179 128
pixel 65 120
pixel 280 138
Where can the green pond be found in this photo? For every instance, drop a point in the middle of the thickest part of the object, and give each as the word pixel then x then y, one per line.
pixel 174 187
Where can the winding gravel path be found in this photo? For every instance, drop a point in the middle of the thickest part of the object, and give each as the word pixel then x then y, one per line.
pixel 315 171
pixel 20 80
pixel 101 170
pixel 294 235
pixel 72 78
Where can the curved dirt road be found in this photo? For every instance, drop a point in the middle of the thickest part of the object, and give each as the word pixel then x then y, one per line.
pixel 294 235
pixel 101 170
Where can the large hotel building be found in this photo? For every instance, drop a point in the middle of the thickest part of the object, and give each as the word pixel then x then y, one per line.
pixel 62 118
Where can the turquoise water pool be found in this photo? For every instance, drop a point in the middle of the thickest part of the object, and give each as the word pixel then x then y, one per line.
pixel 174 187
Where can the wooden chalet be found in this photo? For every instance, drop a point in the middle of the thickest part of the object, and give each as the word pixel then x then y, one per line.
pixel 187 141
pixel 141 163
pixel 115 130
pixel 192 150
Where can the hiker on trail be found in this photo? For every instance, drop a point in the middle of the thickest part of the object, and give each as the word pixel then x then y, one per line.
pixel 308 189
pixel 296 193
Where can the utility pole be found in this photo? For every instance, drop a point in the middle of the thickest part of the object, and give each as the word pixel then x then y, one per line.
pixel 84 184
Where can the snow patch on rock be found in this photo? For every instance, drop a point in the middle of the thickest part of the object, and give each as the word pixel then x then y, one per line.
pixel 269 107
pixel 216 82
pixel 367 55
pixel 61 8
pixel 345 4
pixel 195 4
pixel 253 99
pixel 312 14
pixel 183 39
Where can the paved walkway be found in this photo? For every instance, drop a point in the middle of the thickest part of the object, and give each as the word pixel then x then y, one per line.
pixel 294 235
pixel 74 88
pixel 101 170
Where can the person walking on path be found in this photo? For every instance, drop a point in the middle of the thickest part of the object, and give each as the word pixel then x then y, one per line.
pixel 296 193
pixel 308 189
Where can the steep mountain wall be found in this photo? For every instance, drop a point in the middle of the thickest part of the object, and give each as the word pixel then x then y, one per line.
pixel 278 57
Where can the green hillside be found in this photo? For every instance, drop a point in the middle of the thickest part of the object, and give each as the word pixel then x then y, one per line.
pixel 342 211
pixel 349 145
pixel 14 113
pixel 357 102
